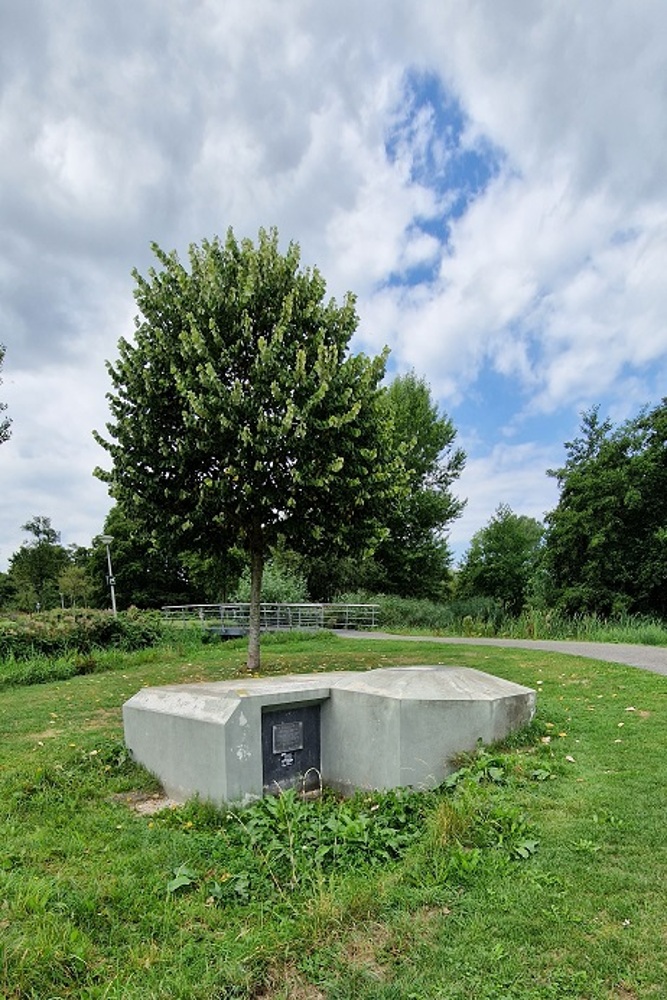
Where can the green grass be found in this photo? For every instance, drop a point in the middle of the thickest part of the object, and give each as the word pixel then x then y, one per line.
pixel 539 874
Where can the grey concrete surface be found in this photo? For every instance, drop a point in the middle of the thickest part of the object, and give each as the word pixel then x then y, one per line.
pixel 652 658
pixel 231 741
pixel 205 738
pixel 403 726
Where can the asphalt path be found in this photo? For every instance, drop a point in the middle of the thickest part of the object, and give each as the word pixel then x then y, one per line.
pixel 653 658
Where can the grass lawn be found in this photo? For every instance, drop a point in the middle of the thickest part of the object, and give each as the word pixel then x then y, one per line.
pixel 540 874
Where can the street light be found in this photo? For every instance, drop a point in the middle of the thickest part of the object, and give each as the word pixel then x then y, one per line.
pixel 107 540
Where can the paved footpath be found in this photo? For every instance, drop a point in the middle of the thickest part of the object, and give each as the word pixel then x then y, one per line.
pixel 653 658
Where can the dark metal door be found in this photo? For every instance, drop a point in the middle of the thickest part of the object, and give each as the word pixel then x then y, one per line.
pixel 291 748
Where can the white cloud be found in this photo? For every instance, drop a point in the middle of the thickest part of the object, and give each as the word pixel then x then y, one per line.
pixel 50 455
pixel 536 272
pixel 171 122
pixel 510 474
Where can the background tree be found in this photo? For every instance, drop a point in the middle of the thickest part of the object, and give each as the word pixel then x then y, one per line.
pixel 240 418
pixel 4 421
pixel 502 559
pixel 213 578
pixel 146 574
pixel 326 576
pixel 414 559
pixel 75 586
pixel 35 568
pixel 7 591
pixel 606 543
pixel 280 585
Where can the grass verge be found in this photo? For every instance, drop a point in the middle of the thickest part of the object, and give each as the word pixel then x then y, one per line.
pixel 538 873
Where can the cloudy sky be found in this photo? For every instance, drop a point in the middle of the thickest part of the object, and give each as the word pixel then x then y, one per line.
pixel 489 178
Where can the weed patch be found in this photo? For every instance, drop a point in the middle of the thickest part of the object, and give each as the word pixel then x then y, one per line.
pixel 287 842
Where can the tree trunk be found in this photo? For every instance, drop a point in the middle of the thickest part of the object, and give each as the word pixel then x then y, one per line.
pixel 256 572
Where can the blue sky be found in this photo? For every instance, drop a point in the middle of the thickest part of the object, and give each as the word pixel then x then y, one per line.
pixel 489 180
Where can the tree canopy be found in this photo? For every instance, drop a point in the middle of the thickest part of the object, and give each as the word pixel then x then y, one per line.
pixel 144 576
pixel 502 559
pixel 35 568
pixel 606 546
pixel 414 560
pixel 240 418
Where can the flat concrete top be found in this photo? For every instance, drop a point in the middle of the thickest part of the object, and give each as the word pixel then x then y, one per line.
pixel 254 686
pixel 186 701
pixel 417 683
pixel 429 683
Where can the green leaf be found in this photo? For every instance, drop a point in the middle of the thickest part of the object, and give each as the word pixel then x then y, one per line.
pixel 525 849
pixel 183 877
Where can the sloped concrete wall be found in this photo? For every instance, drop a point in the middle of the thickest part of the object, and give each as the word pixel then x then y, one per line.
pixel 401 726
pixel 178 734
pixel 205 739
pixel 380 729
pixel 360 741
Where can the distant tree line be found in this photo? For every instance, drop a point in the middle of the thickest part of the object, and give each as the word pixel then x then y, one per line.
pixel 44 574
pixel 602 550
pixel 412 559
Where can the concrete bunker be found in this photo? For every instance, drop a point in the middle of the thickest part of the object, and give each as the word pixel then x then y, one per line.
pixel 235 741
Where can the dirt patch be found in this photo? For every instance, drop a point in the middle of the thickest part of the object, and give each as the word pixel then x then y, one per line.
pixel 146 804
pixel 101 718
pixel 363 947
pixel 287 983
pixel 428 918
pixel 371 948
pixel 624 993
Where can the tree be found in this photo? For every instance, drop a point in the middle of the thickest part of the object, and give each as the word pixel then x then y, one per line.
pixel 502 559
pixel 280 585
pixel 35 568
pixel 150 573
pixel 5 422
pixel 75 586
pixel 145 575
pixel 327 576
pixel 606 543
pixel 240 418
pixel 213 578
pixel 414 560
pixel 7 591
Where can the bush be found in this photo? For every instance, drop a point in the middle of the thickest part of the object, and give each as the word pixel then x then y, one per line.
pixel 479 616
pixel 483 617
pixel 279 586
pixel 60 633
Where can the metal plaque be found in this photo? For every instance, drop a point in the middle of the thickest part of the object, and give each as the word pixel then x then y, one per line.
pixel 291 748
pixel 287 736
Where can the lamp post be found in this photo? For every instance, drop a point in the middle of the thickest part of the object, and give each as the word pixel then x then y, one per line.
pixel 107 540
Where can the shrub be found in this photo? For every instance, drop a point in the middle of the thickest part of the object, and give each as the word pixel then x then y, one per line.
pixel 60 633
pixel 279 586
pixel 474 616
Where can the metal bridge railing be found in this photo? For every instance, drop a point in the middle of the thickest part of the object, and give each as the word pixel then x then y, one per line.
pixel 274 617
